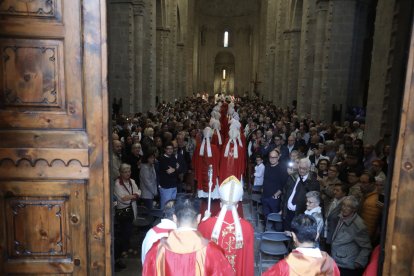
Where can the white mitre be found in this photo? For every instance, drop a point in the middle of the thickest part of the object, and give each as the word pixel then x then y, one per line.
pixel 207 133
pixel 234 134
pixel 215 125
pixel 231 193
pixel 235 124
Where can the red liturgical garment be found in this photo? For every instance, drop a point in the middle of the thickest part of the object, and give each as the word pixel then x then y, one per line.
pixel 186 253
pixel 242 259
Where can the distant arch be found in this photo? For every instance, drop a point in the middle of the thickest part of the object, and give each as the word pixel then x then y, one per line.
pixel 224 83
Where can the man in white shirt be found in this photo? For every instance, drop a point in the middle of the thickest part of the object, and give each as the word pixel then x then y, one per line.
pixel 294 194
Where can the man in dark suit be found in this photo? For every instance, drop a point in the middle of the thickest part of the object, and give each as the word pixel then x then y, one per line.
pixel 294 195
pixel 291 144
pixel 183 159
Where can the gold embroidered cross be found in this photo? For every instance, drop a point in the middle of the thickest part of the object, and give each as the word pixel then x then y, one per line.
pixel 228 230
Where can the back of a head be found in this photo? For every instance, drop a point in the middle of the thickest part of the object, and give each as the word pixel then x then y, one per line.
pixel 169 209
pixel 187 208
pixel 305 228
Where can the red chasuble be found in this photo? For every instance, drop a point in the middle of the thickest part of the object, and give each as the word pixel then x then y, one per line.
pixel 186 253
pixel 201 163
pixel 241 260
pixel 230 165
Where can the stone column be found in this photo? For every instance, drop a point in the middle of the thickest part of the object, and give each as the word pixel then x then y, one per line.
pixel 163 64
pixel 388 68
pixel 285 69
pixel 338 53
pixel 280 16
pixel 293 65
pixel 319 104
pixel 326 108
pixel 307 60
pixel 138 7
pixel 150 57
pixel 180 72
pixel 166 64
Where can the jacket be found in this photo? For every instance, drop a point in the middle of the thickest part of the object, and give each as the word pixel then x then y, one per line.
pixel 351 243
pixel 370 213
pixel 148 181
pixel 308 185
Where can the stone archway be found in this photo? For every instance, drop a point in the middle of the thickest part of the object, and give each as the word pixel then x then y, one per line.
pixel 224 72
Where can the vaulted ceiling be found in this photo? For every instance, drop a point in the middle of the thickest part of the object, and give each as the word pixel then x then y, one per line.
pixel 228 8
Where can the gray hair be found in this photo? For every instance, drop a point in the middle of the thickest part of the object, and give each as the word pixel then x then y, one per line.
pixel 124 166
pixel 305 161
pixel 136 146
pixel 351 199
pixel 314 194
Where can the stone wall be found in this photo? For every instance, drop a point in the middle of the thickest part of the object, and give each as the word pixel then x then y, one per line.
pixel 389 55
pixel 318 54
pixel 120 65
pixel 146 52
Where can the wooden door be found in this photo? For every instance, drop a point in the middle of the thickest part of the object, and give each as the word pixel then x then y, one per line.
pixel 399 250
pixel 54 188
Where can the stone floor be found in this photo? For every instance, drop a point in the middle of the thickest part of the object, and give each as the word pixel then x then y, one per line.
pixel 133 262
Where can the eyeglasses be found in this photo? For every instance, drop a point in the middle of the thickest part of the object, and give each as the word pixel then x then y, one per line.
pixel 273 157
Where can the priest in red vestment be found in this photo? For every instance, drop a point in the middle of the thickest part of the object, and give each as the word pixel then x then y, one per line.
pixel 185 252
pixel 224 119
pixel 234 123
pixel 205 155
pixel 233 157
pixel 217 138
pixel 306 259
pixel 235 235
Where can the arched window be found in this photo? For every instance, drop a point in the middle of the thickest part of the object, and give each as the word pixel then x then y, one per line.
pixel 226 39
pixel 224 74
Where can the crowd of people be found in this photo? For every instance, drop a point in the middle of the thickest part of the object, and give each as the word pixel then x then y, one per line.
pixel 325 182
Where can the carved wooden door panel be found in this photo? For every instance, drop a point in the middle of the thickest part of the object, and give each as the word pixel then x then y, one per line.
pixel 398 259
pixel 54 191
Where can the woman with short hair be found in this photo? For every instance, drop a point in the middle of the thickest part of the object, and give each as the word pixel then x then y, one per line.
pixel 313 209
pixel 126 193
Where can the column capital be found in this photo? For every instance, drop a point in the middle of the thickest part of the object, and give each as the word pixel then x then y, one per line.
pixel 138 7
